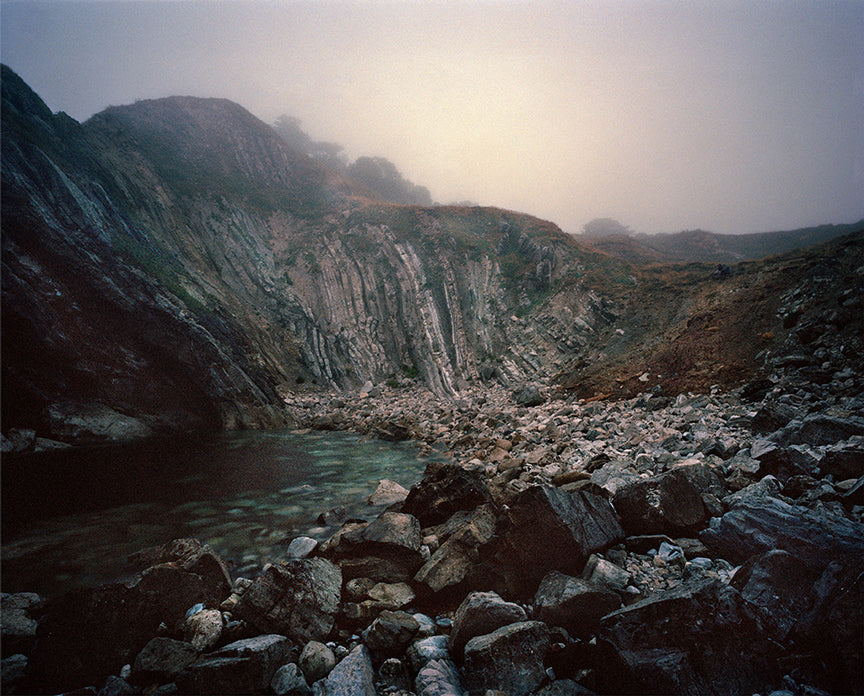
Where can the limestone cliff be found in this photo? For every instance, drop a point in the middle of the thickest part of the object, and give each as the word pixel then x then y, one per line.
pixel 175 265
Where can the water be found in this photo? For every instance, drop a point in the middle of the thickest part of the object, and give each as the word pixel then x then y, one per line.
pixel 70 519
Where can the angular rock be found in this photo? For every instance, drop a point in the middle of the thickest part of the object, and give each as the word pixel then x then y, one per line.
pixel 454 559
pixel 90 633
pixel 551 529
pixel 778 584
pixel 602 573
pixel 385 550
pixel 204 629
pixel 13 669
pixel 664 504
pixel 162 659
pixel 288 680
pixel 297 598
pixel 481 613
pixel 391 595
pixel 243 667
pixel 117 686
pixel 843 463
pixel 528 395
pixel 573 603
pixel 444 490
pixel 301 547
pixel 510 659
pixel 353 676
pixel 820 429
pixel 391 633
pixel 316 661
pixel 438 678
pixel 817 539
pixel 701 637
pixel 387 493
pixel 422 651
pixel 18 622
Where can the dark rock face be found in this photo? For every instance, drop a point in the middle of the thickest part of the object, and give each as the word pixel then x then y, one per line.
pixel 297 598
pixel 242 667
pixel 573 603
pixel 698 638
pixel 551 529
pixel 509 659
pixel 444 490
pixel 162 659
pixel 815 539
pixel 90 633
pixel 665 504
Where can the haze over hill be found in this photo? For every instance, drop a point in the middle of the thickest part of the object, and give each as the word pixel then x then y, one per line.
pixel 731 117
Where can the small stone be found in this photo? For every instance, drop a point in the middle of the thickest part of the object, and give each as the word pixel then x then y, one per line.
pixel 316 661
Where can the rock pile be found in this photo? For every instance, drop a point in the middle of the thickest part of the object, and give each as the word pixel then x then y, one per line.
pixel 696 544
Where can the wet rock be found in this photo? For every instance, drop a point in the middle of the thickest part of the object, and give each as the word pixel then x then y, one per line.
pixel 288 680
pixel 444 490
pixel 387 493
pixel 551 529
pixel 18 624
pixel 243 667
pixel 333 517
pixel 391 633
pixel 353 676
pixel 510 659
pixel 664 504
pixel 478 614
pixel 817 539
pixel 453 561
pixel 162 659
pixel 297 598
pixel 573 603
pixel 204 629
pixel 701 637
pixel 316 661
pixel 301 547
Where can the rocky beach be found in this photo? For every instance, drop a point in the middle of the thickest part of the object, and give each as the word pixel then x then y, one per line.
pixel 697 543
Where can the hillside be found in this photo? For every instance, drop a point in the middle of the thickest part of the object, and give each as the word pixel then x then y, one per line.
pixel 174 265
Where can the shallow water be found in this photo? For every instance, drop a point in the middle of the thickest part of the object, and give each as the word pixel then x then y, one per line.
pixel 71 519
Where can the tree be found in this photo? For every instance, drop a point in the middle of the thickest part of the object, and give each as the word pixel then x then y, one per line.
pixel 605 227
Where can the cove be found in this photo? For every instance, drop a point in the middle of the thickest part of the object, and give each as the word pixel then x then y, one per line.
pixel 72 517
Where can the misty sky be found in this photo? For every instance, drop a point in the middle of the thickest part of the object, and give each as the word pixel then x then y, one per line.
pixel 726 116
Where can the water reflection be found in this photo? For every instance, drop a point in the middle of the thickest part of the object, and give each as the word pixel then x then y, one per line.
pixel 70 519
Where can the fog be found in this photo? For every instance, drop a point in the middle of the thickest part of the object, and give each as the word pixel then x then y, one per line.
pixel 731 117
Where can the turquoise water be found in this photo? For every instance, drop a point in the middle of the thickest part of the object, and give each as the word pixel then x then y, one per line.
pixel 71 519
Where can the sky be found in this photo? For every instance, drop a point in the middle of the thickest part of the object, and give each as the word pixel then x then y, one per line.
pixel 736 116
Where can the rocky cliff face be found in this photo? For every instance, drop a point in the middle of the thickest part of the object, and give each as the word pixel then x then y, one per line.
pixel 174 265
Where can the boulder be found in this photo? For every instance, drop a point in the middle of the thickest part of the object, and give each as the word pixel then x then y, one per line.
pixel 353 676
pixel 438 677
pixel 820 429
pixel 391 633
pixel 243 667
pixel 552 529
pixel 481 613
pixel 664 504
pixel 288 680
pixel 422 651
pixel 162 659
pixel 204 629
pixel 528 395
pixel 452 561
pixel 510 659
pixel 301 547
pixel 385 550
pixel 297 598
pixel 573 603
pixel 387 493
pixel 701 637
pixel 754 528
pixel 18 624
pixel 843 462
pixel 90 633
pixel 316 661
pixel 445 489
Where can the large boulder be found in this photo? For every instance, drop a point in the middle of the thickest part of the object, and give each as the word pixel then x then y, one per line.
pixel 510 659
pixel 18 621
pixel 353 676
pixel 243 667
pixel 573 604
pixel 388 549
pixel 298 598
pixel 552 529
pixel 90 633
pixel 391 633
pixel 445 489
pixel 481 613
pixel 701 637
pixel 453 561
pixel 162 659
pixel 666 504
pixel 815 538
